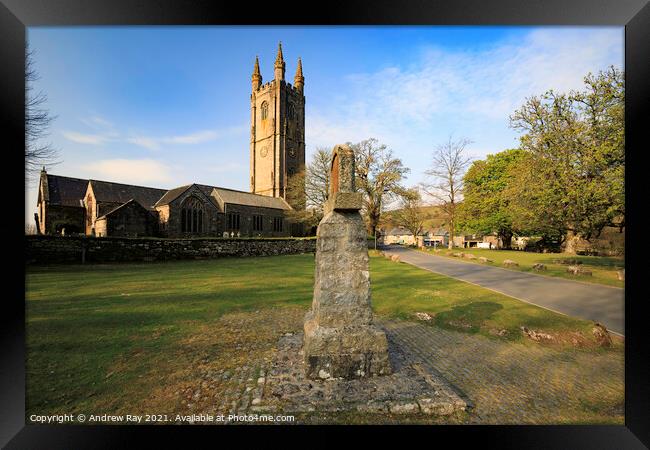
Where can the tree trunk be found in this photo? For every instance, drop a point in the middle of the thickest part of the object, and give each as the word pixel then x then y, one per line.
pixel 451 236
pixel 374 214
pixel 374 223
pixel 506 240
pixel 571 242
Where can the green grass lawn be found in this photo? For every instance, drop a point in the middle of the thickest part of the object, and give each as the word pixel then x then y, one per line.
pixel 603 268
pixel 100 337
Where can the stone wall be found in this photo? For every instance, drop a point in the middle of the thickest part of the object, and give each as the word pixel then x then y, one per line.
pixel 246 214
pixel 130 220
pixel 78 249
pixel 69 217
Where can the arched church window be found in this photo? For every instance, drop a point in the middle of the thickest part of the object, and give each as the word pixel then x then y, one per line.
pixel 192 214
pixel 265 110
pixel 292 111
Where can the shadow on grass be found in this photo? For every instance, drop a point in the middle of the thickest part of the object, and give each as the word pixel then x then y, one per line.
pixel 467 318
pixel 594 261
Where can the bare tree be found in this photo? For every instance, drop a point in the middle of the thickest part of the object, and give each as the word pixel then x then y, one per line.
pixel 37 122
pixel 317 182
pixel 378 176
pixel 295 190
pixel 410 214
pixel 447 170
pixel 307 190
pixel 295 196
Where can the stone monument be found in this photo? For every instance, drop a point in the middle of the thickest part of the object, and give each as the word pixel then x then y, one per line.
pixel 341 340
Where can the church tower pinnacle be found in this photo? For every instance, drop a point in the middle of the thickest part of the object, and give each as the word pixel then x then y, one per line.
pixel 257 76
pixel 299 80
pixel 279 64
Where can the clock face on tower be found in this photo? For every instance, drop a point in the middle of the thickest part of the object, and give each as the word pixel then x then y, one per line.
pixel 292 152
pixel 264 151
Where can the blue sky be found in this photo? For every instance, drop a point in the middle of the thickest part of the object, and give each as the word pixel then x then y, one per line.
pixel 167 106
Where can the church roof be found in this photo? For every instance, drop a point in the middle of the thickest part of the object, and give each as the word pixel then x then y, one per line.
pixel 224 195
pixel 173 194
pixel 66 191
pixel 120 207
pixel 207 190
pixel 248 199
pixel 121 193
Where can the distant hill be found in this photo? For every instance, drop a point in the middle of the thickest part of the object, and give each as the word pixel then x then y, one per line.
pixel 434 218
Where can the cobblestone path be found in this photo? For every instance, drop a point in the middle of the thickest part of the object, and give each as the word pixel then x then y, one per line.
pixel 504 382
pixel 510 383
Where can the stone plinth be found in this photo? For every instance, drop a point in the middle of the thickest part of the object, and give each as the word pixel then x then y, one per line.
pixel 413 387
pixel 341 340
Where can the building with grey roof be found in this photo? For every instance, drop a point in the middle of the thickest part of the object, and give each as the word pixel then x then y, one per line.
pixel 102 208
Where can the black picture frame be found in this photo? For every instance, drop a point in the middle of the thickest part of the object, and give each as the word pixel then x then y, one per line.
pixel 16 15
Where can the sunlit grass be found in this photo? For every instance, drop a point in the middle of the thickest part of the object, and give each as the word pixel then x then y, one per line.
pixel 96 331
pixel 604 268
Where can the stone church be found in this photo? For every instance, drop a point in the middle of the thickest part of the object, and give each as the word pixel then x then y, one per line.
pixel 277 151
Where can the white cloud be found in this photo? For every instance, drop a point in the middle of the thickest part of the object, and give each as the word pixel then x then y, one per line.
pixel 155 143
pixel 97 122
pixel 148 143
pixel 476 89
pixel 194 138
pixel 103 132
pixel 90 139
pixel 133 171
pixel 198 137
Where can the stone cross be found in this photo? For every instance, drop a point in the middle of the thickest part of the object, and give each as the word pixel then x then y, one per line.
pixel 341 340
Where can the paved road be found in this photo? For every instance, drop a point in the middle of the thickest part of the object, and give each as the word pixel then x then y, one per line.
pixel 596 302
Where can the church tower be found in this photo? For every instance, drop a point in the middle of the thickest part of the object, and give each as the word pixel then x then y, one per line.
pixel 277 149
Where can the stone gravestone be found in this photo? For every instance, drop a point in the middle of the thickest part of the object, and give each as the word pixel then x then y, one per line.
pixel 341 340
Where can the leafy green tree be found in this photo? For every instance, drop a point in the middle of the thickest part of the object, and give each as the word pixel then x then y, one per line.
pixel 571 181
pixel 378 176
pixel 486 207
